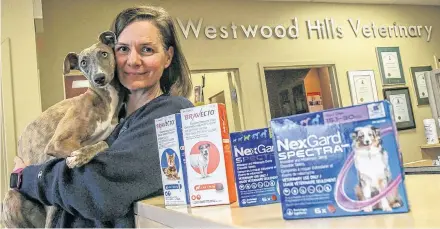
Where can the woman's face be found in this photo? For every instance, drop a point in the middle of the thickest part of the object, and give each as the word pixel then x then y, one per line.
pixel 140 56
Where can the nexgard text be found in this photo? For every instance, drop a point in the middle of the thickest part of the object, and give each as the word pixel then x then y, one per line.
pixel 339 162
pixel 254 167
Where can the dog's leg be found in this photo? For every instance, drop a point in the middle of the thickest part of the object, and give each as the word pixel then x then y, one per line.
pixel 366 190
pixel 19 212
pixel 206 171
pixel 384 204
pixel 61 146
pixel 394 199
pixel 202 171
pixel 85 154
pixel 52 214
pixel 67 137
pixel 358 192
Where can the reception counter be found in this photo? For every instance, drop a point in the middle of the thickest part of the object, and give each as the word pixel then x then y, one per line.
pixel 423 193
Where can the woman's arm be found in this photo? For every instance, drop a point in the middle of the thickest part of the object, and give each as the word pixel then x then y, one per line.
pixel 106 187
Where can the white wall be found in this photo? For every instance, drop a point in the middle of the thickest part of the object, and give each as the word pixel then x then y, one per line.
pixel 20 80
pixel 18 27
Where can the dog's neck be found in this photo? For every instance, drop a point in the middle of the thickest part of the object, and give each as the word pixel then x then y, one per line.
pixel 107 95
pixel 104 93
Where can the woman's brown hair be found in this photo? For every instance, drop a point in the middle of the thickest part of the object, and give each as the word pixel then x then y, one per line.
pixel 176 78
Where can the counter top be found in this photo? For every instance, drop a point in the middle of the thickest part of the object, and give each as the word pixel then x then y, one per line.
pixel 423 192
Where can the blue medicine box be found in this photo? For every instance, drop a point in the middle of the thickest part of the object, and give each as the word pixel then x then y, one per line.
pixel 254 167
pixel 339 162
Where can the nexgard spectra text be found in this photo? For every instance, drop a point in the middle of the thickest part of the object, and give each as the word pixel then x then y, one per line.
pixel 255 167
pixel 339 162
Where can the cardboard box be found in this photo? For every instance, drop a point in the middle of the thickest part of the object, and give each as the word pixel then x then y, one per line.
pixel 209 160
pixel 340 162
pixel 172 160
pixel 255 167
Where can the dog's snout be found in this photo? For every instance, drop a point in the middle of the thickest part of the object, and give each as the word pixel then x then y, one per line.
pixel 99 79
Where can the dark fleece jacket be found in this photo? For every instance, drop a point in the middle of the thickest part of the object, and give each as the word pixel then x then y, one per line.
pixel 102 192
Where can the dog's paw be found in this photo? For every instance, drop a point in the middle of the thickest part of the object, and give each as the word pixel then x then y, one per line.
pixel 387 208
pixel 397 205
pixel 368 209
pixel 72 162
pixel 77 159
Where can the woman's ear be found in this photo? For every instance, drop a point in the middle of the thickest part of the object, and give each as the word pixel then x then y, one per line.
pixel 169 54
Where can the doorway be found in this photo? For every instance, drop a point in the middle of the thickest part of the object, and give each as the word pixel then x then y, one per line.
pixel 298 90
pixel 218 98
pixel 219 86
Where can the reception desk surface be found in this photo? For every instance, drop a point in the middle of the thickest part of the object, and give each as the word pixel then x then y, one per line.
pixel 423 193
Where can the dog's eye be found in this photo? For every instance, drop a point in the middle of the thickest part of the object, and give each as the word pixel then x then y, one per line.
pixel 83 63
pixel 104 54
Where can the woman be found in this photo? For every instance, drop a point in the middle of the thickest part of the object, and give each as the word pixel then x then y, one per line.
pixel 151 65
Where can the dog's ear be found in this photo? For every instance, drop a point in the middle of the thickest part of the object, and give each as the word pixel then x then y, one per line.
pixel 108 38
pixel 71 62
pixel 376 130
pixel 209 145
pixel 354 134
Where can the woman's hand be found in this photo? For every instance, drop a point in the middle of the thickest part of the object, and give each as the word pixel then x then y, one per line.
pixel 19 163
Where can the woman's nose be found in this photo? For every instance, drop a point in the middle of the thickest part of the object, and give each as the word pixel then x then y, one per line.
pixel 134 59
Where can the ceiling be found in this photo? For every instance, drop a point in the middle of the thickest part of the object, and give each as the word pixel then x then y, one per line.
pixel 396 2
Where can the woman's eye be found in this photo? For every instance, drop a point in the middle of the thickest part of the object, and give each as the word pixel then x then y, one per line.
pixel 123 49
pixel 104 54
pixel 147 49
pixel 83 63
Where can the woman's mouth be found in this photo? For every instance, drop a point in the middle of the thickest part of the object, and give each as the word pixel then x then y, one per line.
pixel 135 73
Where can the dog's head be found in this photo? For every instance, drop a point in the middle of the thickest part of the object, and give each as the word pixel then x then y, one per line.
pixel 96 62
pixel 204 149
pixel 366 136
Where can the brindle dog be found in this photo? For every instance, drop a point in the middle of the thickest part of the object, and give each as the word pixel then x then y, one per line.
pixel 73 128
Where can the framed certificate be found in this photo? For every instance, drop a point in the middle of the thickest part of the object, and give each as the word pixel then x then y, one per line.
pixel 419 75
pixel 402 108
pixel 362 86
pixel 390 65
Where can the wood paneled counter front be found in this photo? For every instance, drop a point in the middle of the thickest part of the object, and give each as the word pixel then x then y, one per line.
pixel 423 193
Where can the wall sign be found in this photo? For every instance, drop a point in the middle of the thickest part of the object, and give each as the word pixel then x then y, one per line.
pixel 326 28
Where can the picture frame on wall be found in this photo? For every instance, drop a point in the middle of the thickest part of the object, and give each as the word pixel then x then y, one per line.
pixel 402 108
pixel 419 75
pixel 362 86
pixel 390 65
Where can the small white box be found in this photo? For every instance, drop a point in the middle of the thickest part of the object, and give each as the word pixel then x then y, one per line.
pixel 172 160
pixel 209 158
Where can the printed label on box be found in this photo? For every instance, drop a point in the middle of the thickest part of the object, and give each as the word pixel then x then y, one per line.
pixel 172 160
pixel 336 167
pixel 255 167
pixel 209 159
